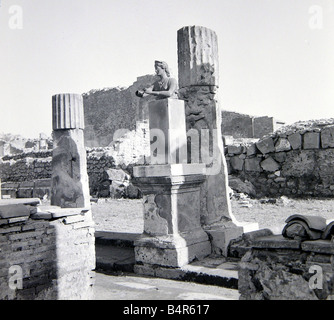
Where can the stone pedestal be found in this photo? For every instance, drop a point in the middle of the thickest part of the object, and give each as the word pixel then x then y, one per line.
pixel 173 235
pixel 69 182
pixel 167 131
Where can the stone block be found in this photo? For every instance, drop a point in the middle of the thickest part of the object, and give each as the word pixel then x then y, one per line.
pixel 295 140
pixel 251 150
pixel 235 149
pixel 253 164
pixel 327 137
pixel 266 145
pixel 311 140
pixel 270 165
pixel 318 246
pixel 275 242
pixel 282 145
pixel 280 156
pixel 167 131
pixel 14 210
pixel 237 163
pixel 173 250
pixel 221 238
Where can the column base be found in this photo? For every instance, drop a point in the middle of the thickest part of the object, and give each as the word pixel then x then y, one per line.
pixel 172 250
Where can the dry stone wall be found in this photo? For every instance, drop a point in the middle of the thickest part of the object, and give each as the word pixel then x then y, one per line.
pixel 296 160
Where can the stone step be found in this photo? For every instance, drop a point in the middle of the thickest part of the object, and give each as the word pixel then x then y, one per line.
pixel 116 239
pixel 115 253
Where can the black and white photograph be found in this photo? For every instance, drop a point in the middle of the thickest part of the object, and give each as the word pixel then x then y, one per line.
pixel 166 155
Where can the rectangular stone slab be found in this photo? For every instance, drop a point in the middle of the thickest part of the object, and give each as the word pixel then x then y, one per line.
pixel 27 201
pixel 14 210
pixel 169 169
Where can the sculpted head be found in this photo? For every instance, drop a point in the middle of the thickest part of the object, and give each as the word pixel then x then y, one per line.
pixel 163 65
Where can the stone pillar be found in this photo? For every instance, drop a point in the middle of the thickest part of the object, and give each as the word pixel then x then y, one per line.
pixel 198 84
pixel 173 235
pixel 69 180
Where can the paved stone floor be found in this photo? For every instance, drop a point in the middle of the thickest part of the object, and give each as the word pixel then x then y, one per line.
pixel 132 287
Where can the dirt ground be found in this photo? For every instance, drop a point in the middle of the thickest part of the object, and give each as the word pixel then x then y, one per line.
pixel 123 215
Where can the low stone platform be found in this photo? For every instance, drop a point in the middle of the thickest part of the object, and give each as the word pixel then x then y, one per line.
pixel 115 253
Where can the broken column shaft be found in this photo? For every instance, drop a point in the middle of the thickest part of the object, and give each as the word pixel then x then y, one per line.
pixel 199 82
pixel 70 187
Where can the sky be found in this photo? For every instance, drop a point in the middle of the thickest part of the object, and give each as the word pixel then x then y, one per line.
pixel 276 57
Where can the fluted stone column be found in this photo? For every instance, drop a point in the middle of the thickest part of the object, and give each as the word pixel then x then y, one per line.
pixel 198 85
pixel 70 188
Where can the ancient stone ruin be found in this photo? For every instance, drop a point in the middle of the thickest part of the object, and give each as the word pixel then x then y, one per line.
pixel 183 179
pixel 47 252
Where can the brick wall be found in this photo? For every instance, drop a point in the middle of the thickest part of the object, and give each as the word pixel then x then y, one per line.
pixel 52 250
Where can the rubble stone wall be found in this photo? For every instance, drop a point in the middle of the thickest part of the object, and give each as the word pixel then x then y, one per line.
pixel 294 162
pixel 287 270
pixel 47 257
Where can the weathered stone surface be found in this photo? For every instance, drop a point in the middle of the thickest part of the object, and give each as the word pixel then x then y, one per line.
pixel 266 145
pixel 251 149
pixel 69 170
pixel 253 164
pixel 167 131
pixel 282 144
pixel 280 156
pixel 275 241
pixel 327 137
pixel 299 163
pixel 267 276
pixel 295 140
pixel 171 208
pixel 270 165
pixel 319 246
pixel 237 163
pixel 174 201
pixel 14 210
pixel 221 238
pixel 235 149
pixel 197 57
pixel 311 140
pixel 198 82
pixel 173 251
